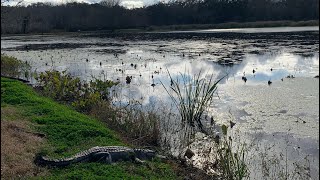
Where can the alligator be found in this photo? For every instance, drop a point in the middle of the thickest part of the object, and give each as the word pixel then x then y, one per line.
pixel 104 154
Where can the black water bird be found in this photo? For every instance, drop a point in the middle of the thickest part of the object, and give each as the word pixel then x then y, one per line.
pixel 232 124
pixel 281 79
pixel 253 71
pixel 183 54
pixel 212 123
pixel 271 69
pixel 217 139
pixel 269 82
pixel 100 64
pixel 244 78
pixel 153 85
pixel 128 79
pixel 87 60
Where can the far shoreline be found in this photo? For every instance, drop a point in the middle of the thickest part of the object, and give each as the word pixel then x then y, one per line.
pixel 184 27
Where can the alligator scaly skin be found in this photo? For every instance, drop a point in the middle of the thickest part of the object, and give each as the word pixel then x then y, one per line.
pixel 105 154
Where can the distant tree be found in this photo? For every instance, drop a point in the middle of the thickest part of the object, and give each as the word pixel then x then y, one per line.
pixel 7 17
pixel 110 3
pixel 109 15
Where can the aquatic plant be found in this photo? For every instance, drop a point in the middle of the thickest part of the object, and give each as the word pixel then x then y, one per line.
pixel 192 98
pixel 232 158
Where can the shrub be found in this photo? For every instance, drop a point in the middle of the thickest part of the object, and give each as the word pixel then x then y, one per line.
pixel 12 67
pixel 63 87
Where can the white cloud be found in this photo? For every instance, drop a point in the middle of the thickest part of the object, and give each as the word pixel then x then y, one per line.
pixel 132 4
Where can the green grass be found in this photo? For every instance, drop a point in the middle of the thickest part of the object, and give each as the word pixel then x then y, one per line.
pixel 68 132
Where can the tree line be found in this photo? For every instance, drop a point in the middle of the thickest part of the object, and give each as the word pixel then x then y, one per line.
pixel 45 17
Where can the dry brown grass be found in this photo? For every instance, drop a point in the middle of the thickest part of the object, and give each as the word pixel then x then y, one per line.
pixel 18 146
pixel 133 126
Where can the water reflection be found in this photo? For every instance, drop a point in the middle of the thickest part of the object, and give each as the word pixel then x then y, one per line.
pixel 253 104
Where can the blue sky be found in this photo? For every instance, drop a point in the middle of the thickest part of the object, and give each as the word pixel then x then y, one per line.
pixel 126 3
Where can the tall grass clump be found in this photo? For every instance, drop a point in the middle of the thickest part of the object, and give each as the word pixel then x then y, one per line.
pixel 138 127
pixel 14 68
pixel 231 158
pixel 192 97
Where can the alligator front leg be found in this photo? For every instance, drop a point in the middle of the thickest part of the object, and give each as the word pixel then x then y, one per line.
pixel 139 161
pixel 103 157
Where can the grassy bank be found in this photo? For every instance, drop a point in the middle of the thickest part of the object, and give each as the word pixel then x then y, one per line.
pixel 67 132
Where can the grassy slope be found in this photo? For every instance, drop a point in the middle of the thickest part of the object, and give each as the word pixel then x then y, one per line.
pixel 68 132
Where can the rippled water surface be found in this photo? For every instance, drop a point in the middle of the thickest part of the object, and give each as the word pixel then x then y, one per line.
pixel 284 113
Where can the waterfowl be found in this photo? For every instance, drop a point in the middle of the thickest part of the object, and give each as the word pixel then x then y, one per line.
pixel 269 82
pixel 244 78
pixel 128 79
pixel 253 71
pixel 232 124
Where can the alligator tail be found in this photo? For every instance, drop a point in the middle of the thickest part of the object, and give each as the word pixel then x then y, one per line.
pixel 43 161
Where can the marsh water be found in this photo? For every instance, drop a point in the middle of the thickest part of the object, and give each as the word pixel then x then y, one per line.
pixel 283 114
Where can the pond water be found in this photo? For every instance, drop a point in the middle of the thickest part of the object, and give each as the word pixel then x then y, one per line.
pixel 284 114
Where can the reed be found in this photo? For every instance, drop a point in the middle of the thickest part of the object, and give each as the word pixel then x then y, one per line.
pixel 192 97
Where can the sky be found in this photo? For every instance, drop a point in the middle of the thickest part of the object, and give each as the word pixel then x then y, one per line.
pixel 125 3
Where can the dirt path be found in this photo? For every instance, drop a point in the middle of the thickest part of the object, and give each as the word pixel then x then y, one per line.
pixel 18 146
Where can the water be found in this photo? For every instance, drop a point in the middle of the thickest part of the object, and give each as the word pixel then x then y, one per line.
pixel 284 114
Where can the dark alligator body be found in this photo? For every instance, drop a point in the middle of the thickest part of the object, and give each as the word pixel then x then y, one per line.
pixel 105 154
